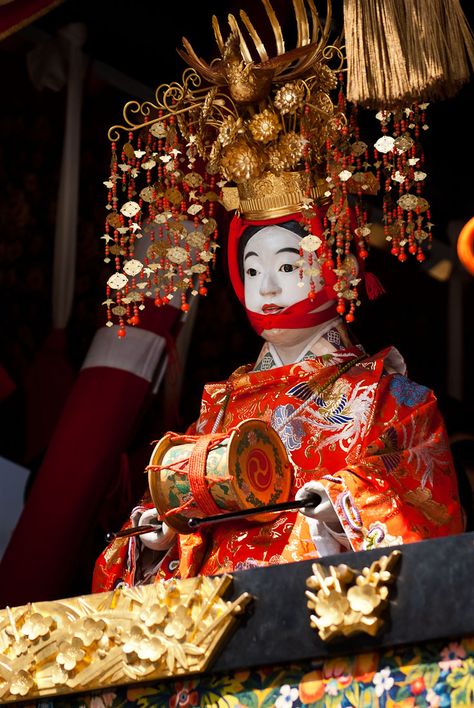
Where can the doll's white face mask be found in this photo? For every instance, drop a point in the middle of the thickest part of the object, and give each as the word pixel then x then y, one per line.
pixel 271 271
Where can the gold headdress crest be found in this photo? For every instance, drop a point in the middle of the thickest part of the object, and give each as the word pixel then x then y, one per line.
pixel 285 138
pixel 279 113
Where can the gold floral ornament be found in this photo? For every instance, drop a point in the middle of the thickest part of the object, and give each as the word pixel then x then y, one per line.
pixel 93 641
pixel 240 161
pixel 264 126
pixel 21 683
pixel 291 147
pixel 90 631
pixel 180 622
pixel 229 129
pixel 70 653
pixel 325 78
pixel 143 646
pixel 290 97
pixel 36 626
pixel 331 608
pixel 346 601
pixel 154 616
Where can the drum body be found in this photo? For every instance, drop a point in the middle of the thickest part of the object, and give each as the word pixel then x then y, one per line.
pixel 199 476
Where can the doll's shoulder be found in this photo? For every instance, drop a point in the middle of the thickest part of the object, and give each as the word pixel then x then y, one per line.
pixel 396 383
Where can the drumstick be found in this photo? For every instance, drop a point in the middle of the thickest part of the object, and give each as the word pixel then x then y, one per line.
pixel 194 523
pixel 310 501
pixel 132 531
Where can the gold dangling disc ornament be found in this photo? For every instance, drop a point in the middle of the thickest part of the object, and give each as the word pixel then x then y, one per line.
pixel 160 229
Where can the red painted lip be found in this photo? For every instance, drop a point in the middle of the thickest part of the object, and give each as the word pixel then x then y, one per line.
pixel 271 309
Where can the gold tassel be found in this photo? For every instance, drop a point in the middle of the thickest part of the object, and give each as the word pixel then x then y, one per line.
pixel 401 51
pixel 376 67
pixel 423 48
pixel 459 47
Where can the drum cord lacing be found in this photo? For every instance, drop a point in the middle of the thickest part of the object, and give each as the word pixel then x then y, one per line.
pixel 194 467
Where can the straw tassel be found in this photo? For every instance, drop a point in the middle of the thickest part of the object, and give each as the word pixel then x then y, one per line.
pixel 401 51
pixel 458 46
pixel 376 68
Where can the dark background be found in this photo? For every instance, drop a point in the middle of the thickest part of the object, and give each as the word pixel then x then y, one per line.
pixel 131 46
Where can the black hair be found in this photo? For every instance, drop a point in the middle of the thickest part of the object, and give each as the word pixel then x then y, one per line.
pixel 293 226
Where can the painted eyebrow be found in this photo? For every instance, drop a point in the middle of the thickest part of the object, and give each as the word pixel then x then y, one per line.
pixel 289 250
pixel 282 250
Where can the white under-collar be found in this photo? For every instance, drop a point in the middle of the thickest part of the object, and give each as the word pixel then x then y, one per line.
pixel 308 348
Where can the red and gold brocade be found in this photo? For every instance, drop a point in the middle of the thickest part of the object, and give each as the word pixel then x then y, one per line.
pixel 375 439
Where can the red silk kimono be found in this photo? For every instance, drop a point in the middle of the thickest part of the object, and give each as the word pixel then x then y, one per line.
pixel 375 440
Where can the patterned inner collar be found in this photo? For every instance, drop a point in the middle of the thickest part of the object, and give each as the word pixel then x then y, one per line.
pixel 327 340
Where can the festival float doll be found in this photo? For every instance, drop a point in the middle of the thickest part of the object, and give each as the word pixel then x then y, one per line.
pixel 316 417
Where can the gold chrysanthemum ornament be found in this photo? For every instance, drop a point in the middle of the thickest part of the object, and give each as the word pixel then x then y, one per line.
pixel 229 129
pixel 291 147
pixel 325 78
pixel 240 161
pixel 265 126
pixel 290 97
pixel 275 160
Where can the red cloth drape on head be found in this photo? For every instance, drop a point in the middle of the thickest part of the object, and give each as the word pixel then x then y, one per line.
pixel 302 314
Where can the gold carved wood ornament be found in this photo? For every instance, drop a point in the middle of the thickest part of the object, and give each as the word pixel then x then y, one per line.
pixel 123 636
pixel 345 601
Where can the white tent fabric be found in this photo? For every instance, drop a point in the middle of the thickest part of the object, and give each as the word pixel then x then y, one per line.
pixel 65 242
pixel 52 64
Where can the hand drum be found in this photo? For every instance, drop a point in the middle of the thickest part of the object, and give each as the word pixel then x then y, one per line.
pixel 203 475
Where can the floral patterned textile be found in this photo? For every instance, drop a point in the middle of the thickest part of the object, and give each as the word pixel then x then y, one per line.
pixel 434 675
pixel 374 439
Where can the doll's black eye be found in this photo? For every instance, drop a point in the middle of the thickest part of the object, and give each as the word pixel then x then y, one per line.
pixel 287 268
pixel 251 272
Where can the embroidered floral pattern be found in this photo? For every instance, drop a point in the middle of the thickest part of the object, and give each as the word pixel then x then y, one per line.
pixel 406 392
pixel 415 676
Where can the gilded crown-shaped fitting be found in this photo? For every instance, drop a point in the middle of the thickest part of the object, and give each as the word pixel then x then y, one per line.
pixel 272 195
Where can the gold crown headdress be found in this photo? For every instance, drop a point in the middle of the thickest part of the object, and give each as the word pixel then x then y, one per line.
pixel 269 125
pixel 280 115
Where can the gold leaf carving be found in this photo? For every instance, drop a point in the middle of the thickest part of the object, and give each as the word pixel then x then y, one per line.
pixel 131 634
pixel 346 601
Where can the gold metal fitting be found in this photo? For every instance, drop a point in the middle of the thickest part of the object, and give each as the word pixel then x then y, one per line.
pixel 274 195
